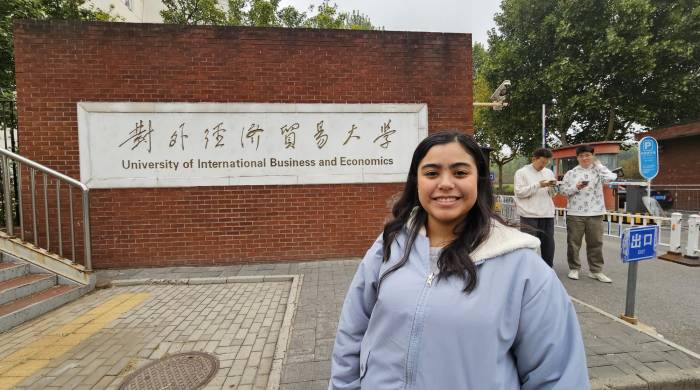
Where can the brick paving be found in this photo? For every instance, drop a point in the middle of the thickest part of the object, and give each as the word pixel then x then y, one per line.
pixel 238 322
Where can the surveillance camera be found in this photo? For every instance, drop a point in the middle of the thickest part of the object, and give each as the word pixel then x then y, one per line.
pixel 499 95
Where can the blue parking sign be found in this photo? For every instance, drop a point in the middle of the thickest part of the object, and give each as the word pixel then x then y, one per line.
pixel 639 243
pixel 648 156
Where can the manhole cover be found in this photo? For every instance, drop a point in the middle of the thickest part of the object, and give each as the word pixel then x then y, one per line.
pixel 183 371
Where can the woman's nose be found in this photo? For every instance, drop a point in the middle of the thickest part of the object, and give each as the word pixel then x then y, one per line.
pixel 445 182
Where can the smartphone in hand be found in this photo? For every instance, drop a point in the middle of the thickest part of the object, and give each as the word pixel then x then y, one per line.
pixel 584 182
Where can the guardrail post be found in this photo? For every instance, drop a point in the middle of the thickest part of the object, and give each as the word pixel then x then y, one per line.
pixel 86 230
pixel 7 195
pixel 675 243
pixel 693 234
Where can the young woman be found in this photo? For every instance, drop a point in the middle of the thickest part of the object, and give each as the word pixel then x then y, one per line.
pixel 449 298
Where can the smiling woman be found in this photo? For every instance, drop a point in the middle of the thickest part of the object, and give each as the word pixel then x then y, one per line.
pixel 447 187
pixel 449 297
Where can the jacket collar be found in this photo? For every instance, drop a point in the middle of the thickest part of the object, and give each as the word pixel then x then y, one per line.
pixel 501 240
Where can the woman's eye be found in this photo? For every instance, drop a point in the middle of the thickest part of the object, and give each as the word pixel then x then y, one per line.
pixel 430 173
pixel 461 173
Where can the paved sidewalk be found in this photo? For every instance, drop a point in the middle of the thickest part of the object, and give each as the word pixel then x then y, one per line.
pixel 94 343
pixel 619 356
pixel 242 324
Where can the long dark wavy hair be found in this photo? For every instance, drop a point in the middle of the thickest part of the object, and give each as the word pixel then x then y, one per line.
pixel 455 258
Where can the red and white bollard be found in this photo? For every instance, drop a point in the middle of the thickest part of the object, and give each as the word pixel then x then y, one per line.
pixel 691 250
pixel 675 244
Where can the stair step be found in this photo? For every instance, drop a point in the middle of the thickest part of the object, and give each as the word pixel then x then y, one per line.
pixel 24 309
pixel 12 270
pixel 7 257
pixel 26 285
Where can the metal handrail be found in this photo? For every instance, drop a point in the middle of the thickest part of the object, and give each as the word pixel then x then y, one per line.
pixel 34 166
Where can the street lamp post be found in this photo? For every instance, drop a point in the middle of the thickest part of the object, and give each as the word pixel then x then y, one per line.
pixel 544 126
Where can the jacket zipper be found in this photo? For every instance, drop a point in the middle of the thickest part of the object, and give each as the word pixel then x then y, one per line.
pixel 417 333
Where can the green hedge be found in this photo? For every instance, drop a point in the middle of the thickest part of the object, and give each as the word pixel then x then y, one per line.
pixel 507 189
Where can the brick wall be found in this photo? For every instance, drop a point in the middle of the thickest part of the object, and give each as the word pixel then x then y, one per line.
pixel 59 64
pixel 678 161
pixel 679 171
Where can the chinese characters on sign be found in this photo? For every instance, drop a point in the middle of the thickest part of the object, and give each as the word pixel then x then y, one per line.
pixel 173 137
pixel 191 144
pixel 385 132
pixel 290 136
pixel 639 243
pixel 351 133
pixel 139 135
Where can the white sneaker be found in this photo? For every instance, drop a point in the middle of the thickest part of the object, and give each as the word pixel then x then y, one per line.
pixel 600 276
pixel 573 274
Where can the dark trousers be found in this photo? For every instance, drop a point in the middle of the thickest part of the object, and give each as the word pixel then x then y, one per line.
pixel 542 228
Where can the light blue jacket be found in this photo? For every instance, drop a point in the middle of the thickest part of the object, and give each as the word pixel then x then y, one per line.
pixel 516 330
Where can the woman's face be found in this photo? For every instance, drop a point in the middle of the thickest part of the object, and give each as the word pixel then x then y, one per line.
pixel 447 184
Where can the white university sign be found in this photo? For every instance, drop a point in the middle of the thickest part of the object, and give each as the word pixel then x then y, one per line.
pixel 126 145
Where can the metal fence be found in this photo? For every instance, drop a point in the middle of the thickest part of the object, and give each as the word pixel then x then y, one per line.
pixel 42 218
pixel 672 229
pixel 685 196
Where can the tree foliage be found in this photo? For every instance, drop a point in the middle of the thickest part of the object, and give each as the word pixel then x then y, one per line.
pixel 610 65
pixel 11 10
pixel 193 12
pixel 262 13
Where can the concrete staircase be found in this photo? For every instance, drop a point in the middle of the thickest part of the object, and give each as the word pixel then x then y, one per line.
pixel 28 291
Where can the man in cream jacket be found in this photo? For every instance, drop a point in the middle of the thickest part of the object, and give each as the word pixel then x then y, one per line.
pixel 534 185
pixel 585 209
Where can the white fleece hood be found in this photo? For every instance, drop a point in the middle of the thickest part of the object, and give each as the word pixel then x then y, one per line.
pixel 501 240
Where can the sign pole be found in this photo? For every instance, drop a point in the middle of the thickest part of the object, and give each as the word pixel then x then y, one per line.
pixel 631 293
pixel 638 243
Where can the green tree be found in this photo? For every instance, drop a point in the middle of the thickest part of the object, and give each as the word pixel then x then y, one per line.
pixel 11 10
pixel 291 17
pixel 193 12
pixel 479 55
pixel 327 16
pixel 358 21
pixel 262 13
pixel 674 87
pixel 608 63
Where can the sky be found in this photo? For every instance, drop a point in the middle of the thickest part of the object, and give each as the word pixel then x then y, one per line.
pixel 462 16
